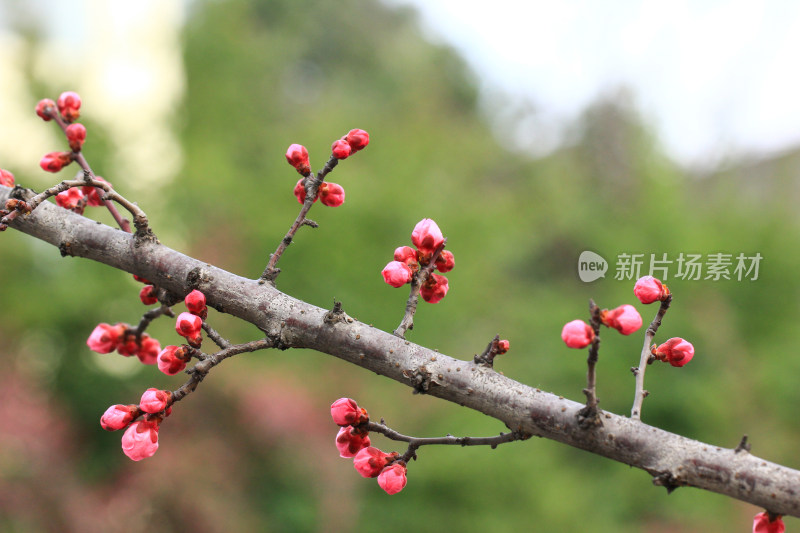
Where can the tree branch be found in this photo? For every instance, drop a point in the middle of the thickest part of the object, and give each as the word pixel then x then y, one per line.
pixel 671 459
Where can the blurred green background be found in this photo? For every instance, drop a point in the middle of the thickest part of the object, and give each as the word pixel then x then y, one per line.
pixel 253 450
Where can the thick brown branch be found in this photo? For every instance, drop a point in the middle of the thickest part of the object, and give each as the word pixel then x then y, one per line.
pixel 671 459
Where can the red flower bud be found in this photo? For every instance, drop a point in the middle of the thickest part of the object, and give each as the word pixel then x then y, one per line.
pixel 189 326
pixel 341 149
pixel 118 416
pixel 6 178
pixel 297 156
pixel 577 334
pixel 69 199
pixel 55 161
pixel 405 254
pixel 445 262
pixel 427 236
pixel 76 135
pixel 149 350
pixel 675 351
pixel 434 289
pixel 141 439
pixel 346 412
pixel 503 346
pixel 349 442
pixel 196 303
pixel 331 194
pixel 46 109
pixel 625 319
pixel 649 289
pixel 105 338
pixel 154 400
pixel 300 191
pixel 69 104
pixel 148 295
pixel 173 359
pixel 396 274
pixel 392 479
pixel 357 139
pixel 762 524
pixel 370 461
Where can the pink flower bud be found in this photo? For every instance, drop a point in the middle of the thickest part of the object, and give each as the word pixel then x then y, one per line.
pixel 434 289
pixel 370 461
pixel 396 274
pixel 69 199
pixel 762 524
pixel 675 351
pixel 349 442
pixel 503 346
pixel 392 479
pixel 405 254
pixel 331 194
pixel 128 345
pixel 76 135
pixel 427 236
pixel 445 262
pixel 625 319
pixel 649 289
pixel 149 350
pixel 188 325
pixel 105 338
pixel 69 104
pixel 154 400
pixel 357 139
pixel 141 439
pixel 196 303
pixel 46 108
pixel 297 156
pixel 119 416
pixel 346 412
pixel 148 295
pixel 92 196
pixel 577 334
pixel 6 178
pixel 341 149
pixel 55 161
pixel 173 359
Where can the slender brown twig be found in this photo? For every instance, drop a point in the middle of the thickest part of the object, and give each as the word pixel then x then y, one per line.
pixel 417 281
pixel 645 359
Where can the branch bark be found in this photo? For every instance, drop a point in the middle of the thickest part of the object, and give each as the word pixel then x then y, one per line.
pixel 671 459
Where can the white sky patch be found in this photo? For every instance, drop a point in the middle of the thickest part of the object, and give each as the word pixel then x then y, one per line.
pixel 713 75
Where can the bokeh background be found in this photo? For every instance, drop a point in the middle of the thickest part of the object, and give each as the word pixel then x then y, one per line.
pixel 190 108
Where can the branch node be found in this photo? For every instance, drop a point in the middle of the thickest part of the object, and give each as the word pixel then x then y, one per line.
pixel 336 314
pixel 743 446
pixel 666 480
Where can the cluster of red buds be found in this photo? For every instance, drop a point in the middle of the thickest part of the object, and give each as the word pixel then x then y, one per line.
pixel 625 319
pixel 122 338
pixel 427 237
pixel 190 324
pixel 353 441
pixel 140 440
pixel 65 111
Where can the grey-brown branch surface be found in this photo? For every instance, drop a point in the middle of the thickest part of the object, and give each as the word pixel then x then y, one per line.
pixel 672 460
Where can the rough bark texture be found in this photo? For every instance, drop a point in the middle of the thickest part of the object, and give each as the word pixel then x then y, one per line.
pixel 671 459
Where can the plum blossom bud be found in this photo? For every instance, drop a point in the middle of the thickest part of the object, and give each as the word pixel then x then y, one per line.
pixel 300 191
pixel 346 412
pixel 341 149
pixel 76 135
pixel 503 346
pixel 427 236
pixel 128 345
pixel 154 400
pixel 625 319
pixel 762 524
pixel 69 104
pixel 6 178
pixel 370 461
pixel 331 194
pixel 46 108
pixel 141 439
pixel 189 326
pixel 55 161
pixel 396 274
pixel 149 350
pixel 649 289
pixel 445 262
pixel 577 334
pixel 675 351
pixel 69 199
pixel 434 289
pixel 196 303
pixel 405 254
pixel 357 139
pixel 148 295
pixel 173 359
pixel 297 156
pixel 105 338
pixel 349 442
pixel 392 479
pixel 119 416
pixel 92 196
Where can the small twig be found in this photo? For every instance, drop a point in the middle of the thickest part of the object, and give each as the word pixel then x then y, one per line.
pixel 743 446
pixel 216 337
pixel 415 442
pixel 644 360
pixel 417 280
pixel 149 317
pixel 207 362
pixel 312 186
pixel 487 357
pixel 588 416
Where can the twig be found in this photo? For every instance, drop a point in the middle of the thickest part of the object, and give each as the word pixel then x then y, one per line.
pixel 588 416
pixel 216 337
pixel 417 280
pixel 644 360
pixel 149 317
